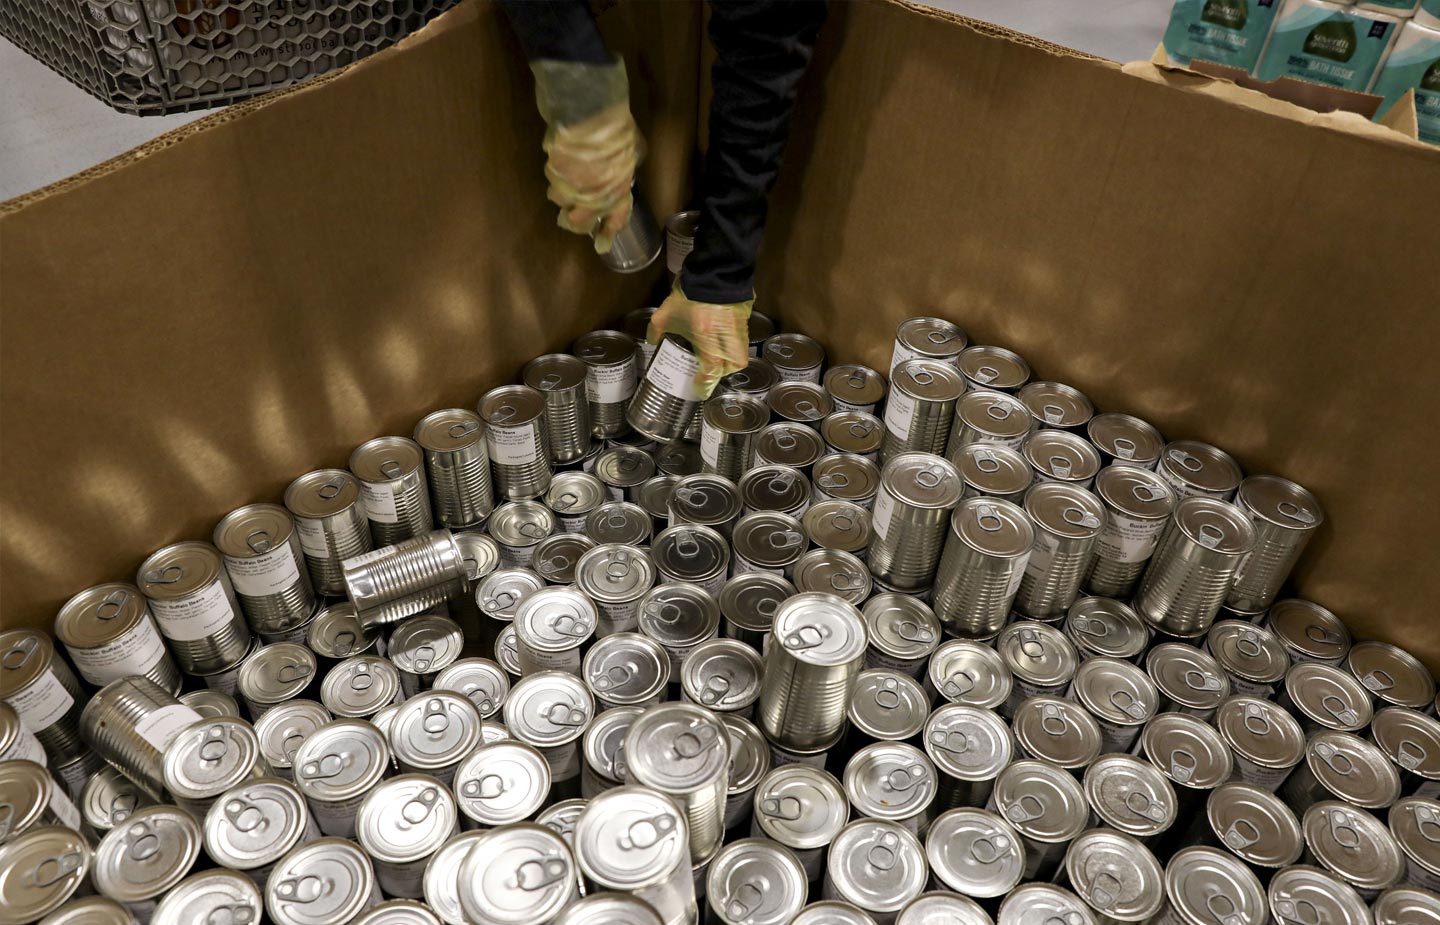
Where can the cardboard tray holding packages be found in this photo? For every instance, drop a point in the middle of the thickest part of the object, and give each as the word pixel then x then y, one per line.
pixel 186 328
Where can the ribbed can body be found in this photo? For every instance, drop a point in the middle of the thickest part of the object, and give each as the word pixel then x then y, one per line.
pixel 927 429
pixel 567 422
pixel 905 556
pixel 974 589
pixel 1047 593
pixel 1284 517
pixel 1068 522
pixel 424 566
pixel 41 703
pixel 1185 585
pixel 329 540
pixel 802 706
pixel 202 624
pixel 129 723
pixel 266 565
pixel 460 489
pixel 1114 578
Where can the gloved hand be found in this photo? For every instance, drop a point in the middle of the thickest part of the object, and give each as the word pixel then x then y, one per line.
pixel 592 143
pixel 720 334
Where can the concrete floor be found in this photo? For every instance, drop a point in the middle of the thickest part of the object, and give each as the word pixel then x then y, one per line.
pixel 49 129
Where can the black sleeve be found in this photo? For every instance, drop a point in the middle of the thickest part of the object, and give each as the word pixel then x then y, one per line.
pixel 761 50
pixel 558 30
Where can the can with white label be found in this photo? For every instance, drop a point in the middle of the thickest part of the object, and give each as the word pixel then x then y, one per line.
pixel 1194 563
pixel 1125 440
pixel 921 407
pixel 194 604
pixel 1189 680
pixel 622 469
pixel 32 799
pixel 1131 795
pixel 335 767
pixel 619 522
pixel 1354 845
pixel 683 751
pixel 458 467
pixel 422 647
pixel 43 692
pixel 518 439
pixel 831 571
pixel 796 358
pixel 550 712
pixel 1120 696
pixel 293 895
pixel 707 500
pixel 928 338
pixel 799 403
pixel 137 863
pixel 130 723
pixel 982 566
pixel 1061 732
pixel 610 379
pixel 766 541
pixel 967 672
pixel 846 477
pixel 209 758
pixel 562 380
pixel 839 525
pixel 986 367
pixel 1068 521
pixel 1056 405
pixel 1251 657
pixel 330 519
pixel 17 742
pixel 109 798
pixel 1285 517
pixel 518 527
pixel 634 840
pixel 1193 469
pixel 993 470
pixel 615 577
pixel 1138 505
pixel 284 728
pixel 267 568
pixel 858 432
pixel 110 634
pixel 572 496
pixel 636 324
pixel 667 398
pixel 552 628
pixel 679 617
pixel 1099 626
pixel 393 489
pixel 275 674
pixel 755 379
pixel 917 493
pixel 1042 661
pixel 852 387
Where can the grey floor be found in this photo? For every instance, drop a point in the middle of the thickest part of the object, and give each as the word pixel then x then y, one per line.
pixel 49 129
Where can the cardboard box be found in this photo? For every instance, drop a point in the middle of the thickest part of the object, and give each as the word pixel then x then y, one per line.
pixel 188 327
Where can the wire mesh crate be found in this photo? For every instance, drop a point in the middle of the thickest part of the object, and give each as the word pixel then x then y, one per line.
pixel 152 57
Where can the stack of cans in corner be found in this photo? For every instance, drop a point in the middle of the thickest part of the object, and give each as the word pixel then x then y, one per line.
pixel 827 647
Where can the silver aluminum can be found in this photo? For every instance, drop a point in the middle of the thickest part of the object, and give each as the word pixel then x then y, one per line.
pixel 360 686
pixel 603 750
pixel 32 799
pixel 839 525
pixel 562 379
pixel 975 853
pixel 267 567
pixel 636 324
pixel 43 692
pixel 799 402
pixel 1060 456
pixel 1401 904
pixel 766 541
pixel 610 379
pixel 1285 517
pixel 256 823
pixel 1056 405
pixel 572 496
pixel 930 338
pixel 678 459
pixel 1138 505
pixel 91 910
pixel 1304 893
pixel 550 711
pixel 986 367
pixel 749 762
pixel 608 908
pixel 481 556
pixel 1131 795
pixel 786 443
pixel 1189 680
pixel 335 767
pixel 275 674
pixel 723 676
pixel 781 756
pixel 811 664
pixel 796 358
pixel 517 437
pixel 1204 885
pixel 943 906
pixel 753 881
pixel 856 432
pixel 683 751
pixel 1325 697
pixel 886 706
pixel 284 728
pixel 1265 740
pixel 1250 656
pixel 499 595
pixel 393 492
pixel 1067 522
pixel 680 230
pixel 1120 696
pixel 421 648
pixel 982 565
pixel 903 632
pixel 1116 876
pixel 852 387
pixel 558 555
pixel 802 808
pixel 755 379
pixel 1309 632
pixel 623 469
pixel 1194 564
pixel 130 723
pixel 1100 626
pixel 501 783
pixel 993 470
pixel 694 555
pixel 517 874
pixel 1393 676
pixel 989 417
pixel 41 870
pixel 561 817
pixel 399 581
pixel 1415 824
pixel 109 798
pixel 505 655
pixel 1061 732
pixel 1411 740
pixel 208 758
pixel 431 733
pixel 1041 661
pixel 1194 469
pixel 138 863
pixel 1354 845
pixel 961 671
pixel 1191 755
pixel 552 626
pixel 1341 766
pixel 775 488
pixel 1042 904
pixel 400 824
pixel 876 865
pixel 480 680
pixel 331 522
pixel 1125 440
pixel 109 634
pixel 615 577
pixel 458 467
pixel 290 894
pixel 634 840
pixel 921 408
pixel 667 398
pixel 846 477
pixel 336 634
pixel 917 493
pixel 517 527
pixel 193 602
pixel 208 896
pixel 969 747
pixel 654 497
pixel 17 742
pixel 749 603
pixel 830 571
pixel 1254 825
pixel 619 522
pixel 707 500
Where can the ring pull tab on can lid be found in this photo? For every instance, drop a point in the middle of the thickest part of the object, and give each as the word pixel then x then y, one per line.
pixel 988 519
pixel 912 631
pixel 424 658
pixel 695 741
pixel 988 849
pixel 1198 680
pixel 1183 765
pixel 887 696
pixel 1097 629
pixel 144 843
pixel 784 351
pixel 555 564
pixel 1222 908
pixel 168 575
pixel 856 379
pixel 833 480
pixel 113 605
pixel 362 679
pixel 1338 708
pixel 505 413
pixel 123 805
pixel 1248 644
pixel 767 606
pixel 932 477
pixel 997 410
pixel 1060 466
pixel 1242 834
pixel 940 338
pixel 303 889
pixel 18 655
pixel 1298 911
pixel 484 787
pixel 861 429
pixel 1323 634
pixel 1031 644
pixel 1125 702
pixel 613 677
pixel 1080 517
pixel 563 714
pixel 215 747
pixel 1378 680
pixel 391 469
pixel 1209 536
pixel 986 462
pixel 1255 720
pixel 1104 890
pixel 646 833
pixel 785 539
pixel 326 766
pixel 1343 829
pixel 988 374
pixel 1027 807
pixel 566 501
pixel 1334 759
pixel 959 683
pixel 331 489
pixel 842 521
pixel 551 382
pixel 1410 754
pixel 435 719
pixel 785 442
pixel 951 740
pixel 1185 460
pixel 52 870
pixel 1124 447
pixel 1148 493
pixel 532 530
pixel 807 408
pixel 1295 512
pixel 922 377
pixel 666 612
pixel 883 855
pixel 292 672
pixel 717 688
pixel 1139 803
pixel 1053 721
pixel 731 408
pixel 784 808
pixel 1054 414
pixel 231 914
pixel 243 815
pixel 419 807
pixel 847 581
pixel 1427 822
pixel 259 541
pixel 463 429
pixel 806 636
pixel 903 780
pixel 743 901
pixel 686 544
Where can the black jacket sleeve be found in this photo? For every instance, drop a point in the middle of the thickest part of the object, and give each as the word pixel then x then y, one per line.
pixel 558 30
pixel 762 48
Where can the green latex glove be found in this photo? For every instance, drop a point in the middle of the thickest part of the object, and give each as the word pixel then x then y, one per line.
pixel 719 334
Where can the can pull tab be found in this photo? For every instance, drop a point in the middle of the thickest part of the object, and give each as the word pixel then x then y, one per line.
pixel 1104 890
pixel 1097 629
pixel 744 900
pixel 484 787
pixel 783 351
pixel 686 544
pixel 555 565
pixel 717 688
pixel 435 719
pixel 1139 803
pixel 423 658
pixel 784 808
pixel 1378 680
pixel 695 741
pixel 1185 461
pixel 532 530
pixel 785 441
pixel 1255 720
pixel 1222 908
pixel 570 625
pixel 1198 680
pixel 213 745
pixel 950 740
pixel 391 469
pixel 344 643
pixel 1126 703
pixel 807 408
pixel 806 636
pixel 1297 912
pixel 1052 720
pixel 884 854
pixel 1242 834
pixel 144 843
pixel 113 605
pixel 987 849
pixel 612 677
pixel 1027 807
pixel 1060 467
pixel 1317 633
pixel 1209 536
pixel 767 606
pixel 988 518
pixel 1124 447
pixel 1149 493
pixel 505 413
pixel 122 806
pixel 560 713
pixel 1248 644
pixel 903 780
pixel 1295 512
pixel 231 914
pixel 482 700
pixel 887 695
pixel 833 480
pixel 912 631
pixel 301 890
pixel 1344 830
pixel 361 679
pixel 986 461
pixel 168 575
pixel 1410 755
pixel 666 612
pixel 500 602
pixel 842 522
pixel 1054 414
pixel 331 489
pixel 1334 759
pixel 1183 765
pixel 861 429
pixel 419 807
pixel 1336 706
pixel 847 581
pixel 988 374
pixel 931 477
pixel 325 766
pixel 52 870
pixel 1427 821
pixel 243 815
pixel 1080 517
pixel 463 429
pixel 958 684
pixel 856 380
pixel 646 833
pixel 291 672
pixel 1031 644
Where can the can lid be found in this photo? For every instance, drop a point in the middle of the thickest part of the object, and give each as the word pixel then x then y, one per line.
pixel 993 469
pixel 853 432
pixel 255 824
pixel 878 865
pixel 679 459
pixel 604 742
pixel 171 573
pixel 1310 629
pixel 887 705
pixel 1104 626
pixel 1391 674
pixel 40 870
pixel 1280 502
pixel 1187 675
pixel 25 789
pixel 721 674
pixel 100 614
pixel 514 405
pixel 1126 437
pixel 341 760
pixel 386 459
pixel 1056 404
pixel 358 686
pixel 109 798
pixel 609 909
pixel 993 527
pixel 572 493
pixel 1201 466
pixel 855 384
pixel 832 912
pixel 793 351
pixel 1204 884
pixel 786 443
pixel 1255 825
pixel 901 626
pixel 1130 795
pixel 1415 823
pixel 1353 844
pixel 1352 769
pixel 1329 696
pixel 562 817
pixel 690 552
pixel 1302 894
pixel 336 632
pixel 552 372
pixel 605 348
pixel 322 493
pixel 147 855
pixel 704 499
pixel 755 378
pixel 679 615
pixel 405 818
pixel 1059 731
pixel 1115 691
pixel 1116 875
pixel 624 466
pixel 968 743
pixel 754 881
pixel 774 488
pixel 994 367
pixel 1260 731
pixel 253 530
pixel 834 572
pixel 434 729
pixel 768 538
pixel 799 401
pixel 502 782
pixel 441 888
pixel 749 753
pixel 1136 492
pixel 283 728
pixel 294 894
pixel 749 600
pixel 923 480
pixel 890 780
pixel 618 522
pixel 975 852
pixel 481 680
pixel 931 337
pixel 927 380
pixel 1061 455
pixel 653 495
pixel 1248 651
pixel 996 415
pixel 276 673
pixel 1066 511
pixel 210 896
pixel 211 756
pixel 1043 801
pixel 500 594
pixel 548 708
pixel 940 907
pixel 629 838
pixel 970 673
pixel 1410 739
pixel 1187 750
pixel 1407 905
pixel 850 477
pixel 555 619
pixel 1043 904
pixel 626 668
pixel 521 523
pixel 1037 652
pixel 88 910
pixel 820 629
pixel 425 644
pixel 450 430
pixel 210 703
pixel 800 807
pixel 677 748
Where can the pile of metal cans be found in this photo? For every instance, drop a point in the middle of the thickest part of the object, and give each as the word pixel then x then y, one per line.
pixel 937 647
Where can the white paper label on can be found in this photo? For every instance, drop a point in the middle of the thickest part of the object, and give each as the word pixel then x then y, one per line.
pixel 202 614
pixel 612 383
pixel 614 492
pixel 843 405
pixel 617 617
pixel 564 760
pixel 25 748
pixel 673 372
pixel 1042 553
pixel 61 806
pixel 739 565
pixel 160 727
pixel 136 652
pixel 779 758
pixel 336 818
pixel 1017 574
pixel 516 556
pixel 75 776
pixel 263 575
pixel 512 445
pixel 1128 539
pixel 812 374
pixel 709 443
pixel 883 513
pixel 401 880
pixel 899 355
pixel 379 501
pixel 1259 775
pixel 43 702
pixel 899 412
pixel 312 537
